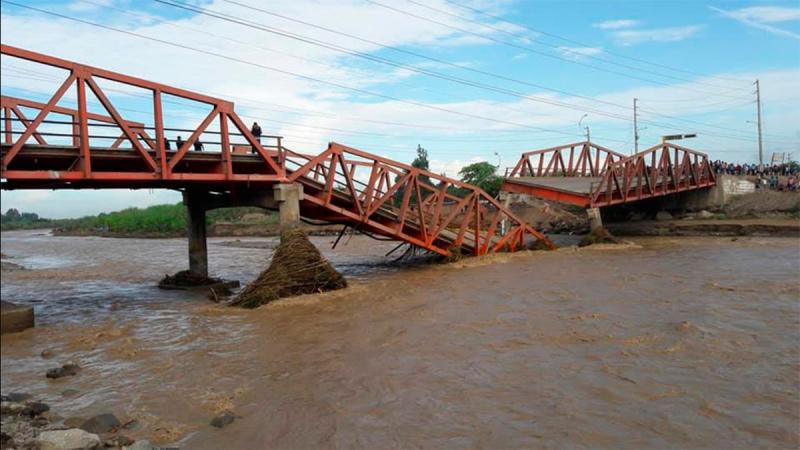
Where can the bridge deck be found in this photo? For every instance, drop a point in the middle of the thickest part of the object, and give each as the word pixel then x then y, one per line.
pixel 50 163
pixel 574 190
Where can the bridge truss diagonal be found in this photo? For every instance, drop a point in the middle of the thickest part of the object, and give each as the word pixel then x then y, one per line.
pixel 341 185
pixel 592 176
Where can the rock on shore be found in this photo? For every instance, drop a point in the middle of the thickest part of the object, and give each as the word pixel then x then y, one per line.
pixel 64 371
pixel 26 424
pixel 15 318
pixel 72 439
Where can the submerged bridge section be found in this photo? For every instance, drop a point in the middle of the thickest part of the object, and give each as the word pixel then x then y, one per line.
pixel 55 144
pixel 591 176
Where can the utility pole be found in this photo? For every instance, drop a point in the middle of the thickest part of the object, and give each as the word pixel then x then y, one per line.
pixel 760 144
pixel 635 128
pixel 586 128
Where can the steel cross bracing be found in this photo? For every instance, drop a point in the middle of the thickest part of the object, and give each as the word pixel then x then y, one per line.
pixel 661 170
pixel 589 175
pixel 571 160
pixel 342 184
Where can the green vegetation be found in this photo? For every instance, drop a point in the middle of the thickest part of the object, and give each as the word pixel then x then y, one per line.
pixel 15 220
pixel 482 174
pixel 158 219
pixel 167 219
pixel 421 162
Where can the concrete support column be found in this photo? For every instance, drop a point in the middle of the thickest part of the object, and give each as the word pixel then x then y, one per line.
pixel 196 231
pixel 288 197
pixel 595 220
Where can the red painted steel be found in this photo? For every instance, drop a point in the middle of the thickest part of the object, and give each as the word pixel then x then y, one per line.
pixel 11 108
pixel 406 203
pixel 342 184
pixel 664 169
pixel 169 166
pixel 661 170
pixel 572 160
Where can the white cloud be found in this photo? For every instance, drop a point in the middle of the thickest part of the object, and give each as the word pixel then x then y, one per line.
pixel 579 52
pixel 519 56
pixel 616 24
pixel 451 167
pixel 84 6
pixel 671 34
pixel 766 13
pixel 760 17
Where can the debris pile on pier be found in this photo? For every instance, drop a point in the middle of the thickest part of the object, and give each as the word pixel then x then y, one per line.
pixel 186 279
pixel 297 268
pixel 598 236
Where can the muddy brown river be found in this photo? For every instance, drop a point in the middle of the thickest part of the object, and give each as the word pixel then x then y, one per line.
pixel 667 343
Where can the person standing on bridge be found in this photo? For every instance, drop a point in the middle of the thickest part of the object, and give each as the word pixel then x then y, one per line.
pixel 198 146
pixel 166 144
pixel 256 131
pixel 178 143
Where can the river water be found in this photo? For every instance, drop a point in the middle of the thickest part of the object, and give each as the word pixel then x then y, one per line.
pixel 671 342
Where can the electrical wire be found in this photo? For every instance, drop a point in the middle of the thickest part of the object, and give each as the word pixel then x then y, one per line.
pixel 572 41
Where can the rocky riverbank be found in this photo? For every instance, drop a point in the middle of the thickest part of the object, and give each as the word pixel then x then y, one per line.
pixel 779 227
pixel 26 423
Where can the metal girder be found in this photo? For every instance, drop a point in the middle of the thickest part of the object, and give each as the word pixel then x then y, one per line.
pixel 661 170
pixel 428 210
pixel 84 78
pixel 584 159
pixel 342 184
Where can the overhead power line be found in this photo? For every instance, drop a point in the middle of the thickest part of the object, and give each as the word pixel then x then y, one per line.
pixel 294 74
pixel 291 35
pixel 574 42
pixel 557 47
pixel 329 83
pixel 527 48
pixel 463 81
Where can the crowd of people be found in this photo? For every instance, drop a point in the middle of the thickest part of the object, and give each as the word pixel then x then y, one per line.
pixel 781 177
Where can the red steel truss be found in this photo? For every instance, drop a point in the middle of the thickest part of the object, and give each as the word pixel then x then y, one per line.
pixel 12 113
pixel 595 176
pixel 660 170
pixel 397 200
pixel 155 162
pixel 572 160
pixel 342 184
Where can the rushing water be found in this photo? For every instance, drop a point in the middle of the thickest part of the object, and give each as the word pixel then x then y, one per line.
pixel 690 342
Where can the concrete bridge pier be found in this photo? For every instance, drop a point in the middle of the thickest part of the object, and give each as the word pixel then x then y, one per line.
pixel 288 197
pixel 284 197
pixel 196 207
pixel 595 220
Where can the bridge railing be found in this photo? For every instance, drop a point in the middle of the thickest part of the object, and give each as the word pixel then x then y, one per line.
pixel 148 142
pixel 581 159
pixel 64 132
pixel 424 208
pixel 663 169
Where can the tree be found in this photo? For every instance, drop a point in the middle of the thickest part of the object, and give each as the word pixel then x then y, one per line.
pixel 482 174
pixel 421 162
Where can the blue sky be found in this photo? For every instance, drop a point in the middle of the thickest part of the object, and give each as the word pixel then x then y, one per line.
pixel 691 64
